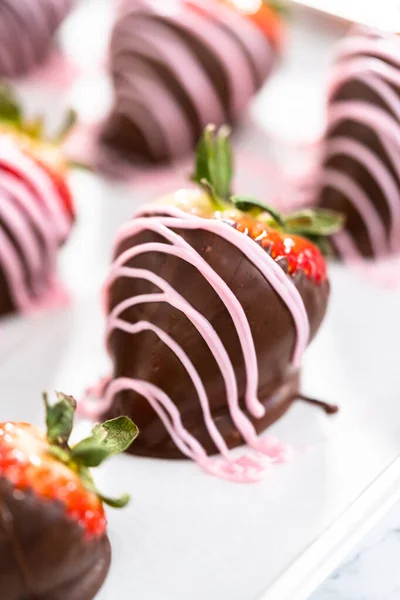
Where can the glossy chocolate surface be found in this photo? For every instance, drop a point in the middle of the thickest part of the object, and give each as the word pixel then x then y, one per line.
pixel 145 357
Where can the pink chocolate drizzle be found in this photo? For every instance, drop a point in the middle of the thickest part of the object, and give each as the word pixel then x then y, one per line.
pixel 37 223
pixel 162 220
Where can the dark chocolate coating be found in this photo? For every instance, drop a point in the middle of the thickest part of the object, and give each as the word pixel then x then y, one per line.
pixel 353 89
pixel 144 356
pixel 44 554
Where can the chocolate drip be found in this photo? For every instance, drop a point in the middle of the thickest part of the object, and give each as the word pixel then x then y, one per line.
pixel 330 409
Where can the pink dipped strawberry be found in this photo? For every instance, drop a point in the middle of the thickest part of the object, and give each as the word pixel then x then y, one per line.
pixel 53 541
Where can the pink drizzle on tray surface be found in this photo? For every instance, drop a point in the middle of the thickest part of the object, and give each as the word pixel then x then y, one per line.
pixel 163 220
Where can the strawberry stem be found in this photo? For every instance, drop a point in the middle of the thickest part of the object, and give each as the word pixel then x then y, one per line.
pixel 279 6
pixel 59 419
pixel 11 113
pixel 214 173
pixel 248 203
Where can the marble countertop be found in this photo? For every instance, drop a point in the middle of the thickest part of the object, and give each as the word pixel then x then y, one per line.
pixel 371 572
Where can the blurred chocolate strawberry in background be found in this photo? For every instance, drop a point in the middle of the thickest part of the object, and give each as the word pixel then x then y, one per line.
pixel 36 208
pixel 359 173
pixel 178 65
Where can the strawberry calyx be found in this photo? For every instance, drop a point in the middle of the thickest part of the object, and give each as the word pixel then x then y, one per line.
pixel 11 114
pixel 106 440
pixel 214 173
pixel 56 471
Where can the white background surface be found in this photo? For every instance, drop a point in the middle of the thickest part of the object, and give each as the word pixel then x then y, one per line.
pixel 188 535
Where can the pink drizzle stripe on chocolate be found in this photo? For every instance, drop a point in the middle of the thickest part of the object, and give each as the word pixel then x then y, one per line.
pixel 352 191
pixel 162 220
pixel 266 265
pixel 366 114
pixel 247 469
pixel 251 36
pixel 131 103
pixel 154 40
pixel 382 176
pixel 373 73
pixel 205 329
pixel 21 231
pixel 226 50
pixel 144 85
pixel 385 48
pixel 28 204
pixel 183 250
pixel 116 323
pixel 40 182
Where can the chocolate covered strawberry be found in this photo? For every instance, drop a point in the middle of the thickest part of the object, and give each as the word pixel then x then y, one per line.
pixel 176 66
pixel 53 542
pixel 212 299
pixel 36 209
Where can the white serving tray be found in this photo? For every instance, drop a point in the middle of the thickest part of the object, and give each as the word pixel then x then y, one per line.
pixel 189 536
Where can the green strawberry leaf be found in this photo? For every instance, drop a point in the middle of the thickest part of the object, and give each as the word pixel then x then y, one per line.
pixel 214 163
pixel 115 435
pixel 110 438
pixel 248 203
pixel 115 502
pixel 59 419
pixel 70 120
pixel 90 453
pixel 318 222
pixel 106 440
pixel 324 244
pixel 34 128
pixel 10 109
pixel 223 162
pixel 60 454
pixel 279 6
